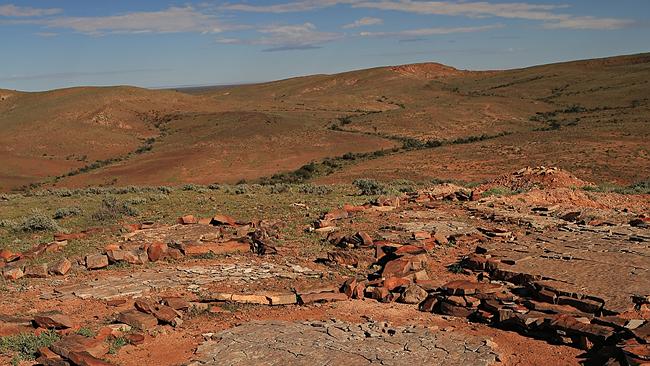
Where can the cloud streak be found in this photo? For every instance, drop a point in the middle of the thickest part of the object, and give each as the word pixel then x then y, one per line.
pixel 364 22
pixel 550 15
pixel 287 37
pixel 19 11
pixel 170 20
pixel 431 31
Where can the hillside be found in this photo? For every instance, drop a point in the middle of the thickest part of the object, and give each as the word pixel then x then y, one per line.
pixel 589 117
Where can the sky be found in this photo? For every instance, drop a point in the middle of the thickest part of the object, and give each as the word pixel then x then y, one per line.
pixel 48 44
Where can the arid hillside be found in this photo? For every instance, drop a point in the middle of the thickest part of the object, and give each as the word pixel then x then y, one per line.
pixel 420 121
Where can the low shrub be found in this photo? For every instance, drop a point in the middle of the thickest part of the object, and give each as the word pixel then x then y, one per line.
pixel 370 187
pixel 64 212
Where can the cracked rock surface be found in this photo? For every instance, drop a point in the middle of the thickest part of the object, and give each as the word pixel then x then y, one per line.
pixel 341 343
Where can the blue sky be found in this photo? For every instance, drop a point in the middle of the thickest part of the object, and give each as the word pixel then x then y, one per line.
pixel 50 44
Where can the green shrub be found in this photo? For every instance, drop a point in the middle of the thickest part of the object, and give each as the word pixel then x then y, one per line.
pixel 112 209
pixel 369 187
pixel 64 212
pixel 24 346
pixel 314 189
pixel 38 222
pixel 280 188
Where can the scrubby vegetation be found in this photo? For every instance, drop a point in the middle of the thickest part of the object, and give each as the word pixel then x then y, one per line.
pixel 111 209
pixel 64 212
pixel 24 346
pixel 370 187
pixel 38 222
pixel 642 187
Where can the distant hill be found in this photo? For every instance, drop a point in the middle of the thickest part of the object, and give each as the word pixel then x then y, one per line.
pixel 589 117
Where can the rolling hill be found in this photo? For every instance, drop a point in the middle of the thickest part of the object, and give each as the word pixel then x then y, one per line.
pixel 418 121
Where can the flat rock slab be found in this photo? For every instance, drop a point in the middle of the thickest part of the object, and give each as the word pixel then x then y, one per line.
pixel 611 263
pixel 339 343
pixel 190 278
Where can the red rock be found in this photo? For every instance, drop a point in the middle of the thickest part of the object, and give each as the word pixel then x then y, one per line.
pixel 321 297
pixel 35 251
pixel 429 304
pixel 219 220
pixel 137 319
pixel 176 303
pixel 86 359
pixel 36 271
pixel 352 209
pixel 132 227
pixel 336 215
pixel 391 283
pixel 96 261
pixel 157 251
pixel 402 266
pixel 349 286
pixel 165 314
pixel 440 238
pixel 586 305
pixel 396 268
pixel 188 220
pixel 134 257
pixel 175 254
pixel 116 302
pixel 78 343
pixel 48 358
pixel 135 339
pixel 380 294
pixel 463 287
pixel 216 248
pixel 53 320
pixel 409 249
pixel 145 305
pixel 113 246
pixel 421 235
pixel 448 308
pixel 343 258
pixel 366 240
pixel 413 294
pixel 64 237
pixel 205 221
pixel 12 274
pixel 104 333
pixel 359 291
pixel 8 256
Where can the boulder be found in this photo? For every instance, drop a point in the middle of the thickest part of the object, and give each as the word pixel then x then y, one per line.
pixel 413 294
pixel 137 319
pixel 157 251
pixel 53 320
pixel 60 267
pixel 96 261
pixel 13 273
pixel 36 271
pixel 77 343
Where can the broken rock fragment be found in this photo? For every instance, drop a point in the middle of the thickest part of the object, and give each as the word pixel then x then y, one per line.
pixel 96 261
pixel 53 320
pixel 137 319
pixel 60 267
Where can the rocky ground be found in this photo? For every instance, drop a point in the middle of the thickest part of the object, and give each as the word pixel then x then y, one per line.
pixel 522 269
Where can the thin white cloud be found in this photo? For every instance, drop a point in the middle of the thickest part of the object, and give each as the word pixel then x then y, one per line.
pixel 431 31
pixel 20 11
pixel 171 20
pixel 46 34
pixel 364 22
pixel 549 14
pixel 291 7
pixel 589 23
pixel 287 37
pixel 481 9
